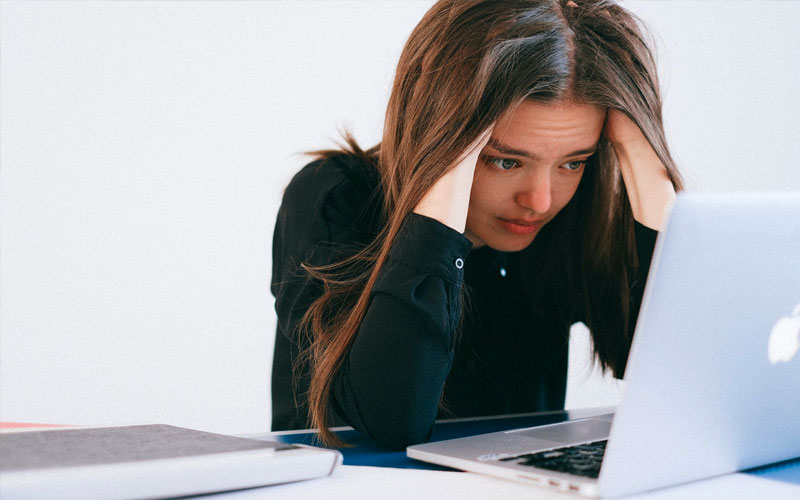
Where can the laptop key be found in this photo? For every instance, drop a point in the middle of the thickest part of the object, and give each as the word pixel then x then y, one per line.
pixel 583 460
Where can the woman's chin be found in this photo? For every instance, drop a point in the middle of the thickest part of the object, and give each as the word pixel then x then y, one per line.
pixel 515 243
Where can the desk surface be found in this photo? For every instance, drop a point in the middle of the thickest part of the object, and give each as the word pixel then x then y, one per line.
pixel 369 483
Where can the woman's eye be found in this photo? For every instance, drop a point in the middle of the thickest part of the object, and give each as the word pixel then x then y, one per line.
pixel 574 166
pixel 503 163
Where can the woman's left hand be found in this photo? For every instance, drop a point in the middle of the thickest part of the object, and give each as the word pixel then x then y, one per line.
pixel 649 189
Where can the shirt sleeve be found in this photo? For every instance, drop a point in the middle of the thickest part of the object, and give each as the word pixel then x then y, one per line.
pixel 390 383
pixel 645 245
pixel 391 380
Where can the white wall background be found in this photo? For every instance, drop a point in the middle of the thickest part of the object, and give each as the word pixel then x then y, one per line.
pixel 144 147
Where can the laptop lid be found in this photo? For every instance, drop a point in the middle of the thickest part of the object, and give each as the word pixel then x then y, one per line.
pixel 713 378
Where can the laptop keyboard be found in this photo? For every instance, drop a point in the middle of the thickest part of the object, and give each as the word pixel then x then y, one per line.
pixel 582 460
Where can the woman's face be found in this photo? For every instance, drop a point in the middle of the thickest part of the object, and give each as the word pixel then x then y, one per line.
pixel 529 171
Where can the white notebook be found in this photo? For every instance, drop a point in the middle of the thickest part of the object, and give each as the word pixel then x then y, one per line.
pixel 147 461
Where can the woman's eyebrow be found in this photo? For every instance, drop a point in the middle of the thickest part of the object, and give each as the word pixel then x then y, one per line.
pixel 508 150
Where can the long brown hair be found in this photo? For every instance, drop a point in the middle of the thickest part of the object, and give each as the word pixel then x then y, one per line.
pixel 464 65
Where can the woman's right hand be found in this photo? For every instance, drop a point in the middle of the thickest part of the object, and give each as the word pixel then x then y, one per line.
pixel 448 199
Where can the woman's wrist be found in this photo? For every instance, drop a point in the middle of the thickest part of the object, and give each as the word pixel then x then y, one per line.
pixel 447 200
pixel 650 190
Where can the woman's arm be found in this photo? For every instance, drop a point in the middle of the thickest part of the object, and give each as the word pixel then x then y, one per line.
pixel 390 383
pixel 448 199
pixel 649 189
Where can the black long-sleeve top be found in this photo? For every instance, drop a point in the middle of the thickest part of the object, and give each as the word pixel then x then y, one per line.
pixel 509 355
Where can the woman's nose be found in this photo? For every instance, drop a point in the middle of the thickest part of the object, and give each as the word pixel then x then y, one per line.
pixel 536 193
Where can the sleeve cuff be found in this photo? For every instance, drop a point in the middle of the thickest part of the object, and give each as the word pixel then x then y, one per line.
pixel 429 245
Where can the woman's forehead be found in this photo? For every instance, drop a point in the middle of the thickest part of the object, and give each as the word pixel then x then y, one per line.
pixel 534 125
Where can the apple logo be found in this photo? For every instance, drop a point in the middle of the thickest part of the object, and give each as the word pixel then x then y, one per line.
pixel 784 340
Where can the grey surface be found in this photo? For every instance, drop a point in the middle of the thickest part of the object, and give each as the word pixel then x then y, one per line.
pixel 107 445
pixel 568 433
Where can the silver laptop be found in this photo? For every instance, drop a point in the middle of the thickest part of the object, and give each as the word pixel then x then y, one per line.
pixel 713 377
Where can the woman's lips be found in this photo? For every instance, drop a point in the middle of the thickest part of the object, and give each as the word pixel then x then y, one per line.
pixel 520 226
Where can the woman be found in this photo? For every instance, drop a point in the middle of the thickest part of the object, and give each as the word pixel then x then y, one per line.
pixel 521 179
